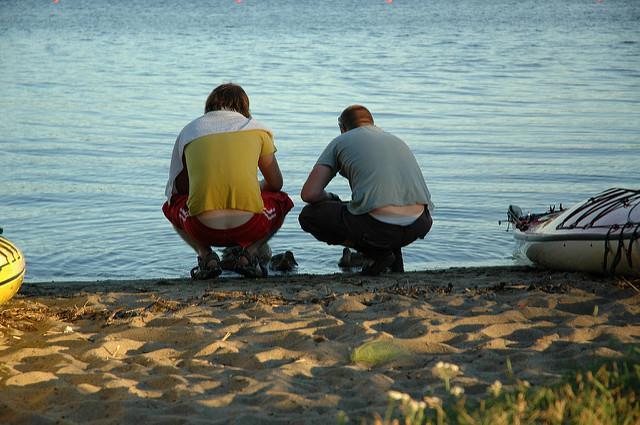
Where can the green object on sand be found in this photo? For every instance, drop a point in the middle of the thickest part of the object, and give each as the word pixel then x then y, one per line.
pixel 379 352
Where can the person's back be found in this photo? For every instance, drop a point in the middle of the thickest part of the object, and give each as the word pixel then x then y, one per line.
pixel 222 171
pixel 390 203
pixel 380 167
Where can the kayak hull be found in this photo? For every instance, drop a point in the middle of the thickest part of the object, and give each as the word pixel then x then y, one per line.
pixel 599 235
pixel 581 254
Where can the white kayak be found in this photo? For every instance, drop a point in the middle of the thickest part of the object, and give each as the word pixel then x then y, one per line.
pixel 599 235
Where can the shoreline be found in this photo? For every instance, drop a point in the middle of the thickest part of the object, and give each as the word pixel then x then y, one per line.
pixel 281 349
pixel 279 278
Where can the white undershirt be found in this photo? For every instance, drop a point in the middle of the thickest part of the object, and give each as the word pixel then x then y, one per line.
pixel 398 220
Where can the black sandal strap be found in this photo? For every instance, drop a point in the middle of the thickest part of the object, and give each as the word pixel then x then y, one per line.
pixel 204 270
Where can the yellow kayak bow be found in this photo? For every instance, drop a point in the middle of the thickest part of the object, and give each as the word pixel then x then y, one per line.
pixel 12 268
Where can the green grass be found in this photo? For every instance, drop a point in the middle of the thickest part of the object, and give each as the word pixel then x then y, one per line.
pixel 607 393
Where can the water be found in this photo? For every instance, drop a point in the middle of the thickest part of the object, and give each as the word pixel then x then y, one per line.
pixel 502 101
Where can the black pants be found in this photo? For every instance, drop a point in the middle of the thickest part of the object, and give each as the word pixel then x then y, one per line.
pixel 331 222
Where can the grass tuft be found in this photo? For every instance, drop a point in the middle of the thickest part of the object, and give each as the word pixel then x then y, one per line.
pixel 605 394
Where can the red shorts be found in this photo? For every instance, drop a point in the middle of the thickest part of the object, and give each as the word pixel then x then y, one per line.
pixel 276 207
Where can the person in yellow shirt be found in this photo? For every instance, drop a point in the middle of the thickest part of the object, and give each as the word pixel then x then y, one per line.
pixel 214 197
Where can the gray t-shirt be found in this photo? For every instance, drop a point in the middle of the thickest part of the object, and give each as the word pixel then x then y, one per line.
pixel 380 167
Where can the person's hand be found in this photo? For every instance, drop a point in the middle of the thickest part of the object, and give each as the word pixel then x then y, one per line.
pixel 333 197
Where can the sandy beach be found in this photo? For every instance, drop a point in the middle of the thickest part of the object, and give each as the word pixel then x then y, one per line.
pixel 280 350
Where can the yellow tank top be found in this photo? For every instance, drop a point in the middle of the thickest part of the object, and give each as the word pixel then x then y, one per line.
pixel 223 171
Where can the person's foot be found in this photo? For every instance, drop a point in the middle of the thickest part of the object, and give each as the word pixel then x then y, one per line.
pixel 249 265
pixel 378 265
pixel 264 253
pixel 208 267
pixel 398 263
pixel 230 257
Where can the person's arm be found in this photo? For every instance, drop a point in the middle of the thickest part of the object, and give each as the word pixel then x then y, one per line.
pixel 268 165
pixel 313 189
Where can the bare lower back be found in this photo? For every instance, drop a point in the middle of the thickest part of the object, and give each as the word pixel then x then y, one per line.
pixel 398 210
pixel 224 219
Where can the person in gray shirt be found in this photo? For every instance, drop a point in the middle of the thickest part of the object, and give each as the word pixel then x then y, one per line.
pixel 390 203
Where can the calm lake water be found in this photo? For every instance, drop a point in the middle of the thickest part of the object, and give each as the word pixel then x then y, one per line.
pixel 502 101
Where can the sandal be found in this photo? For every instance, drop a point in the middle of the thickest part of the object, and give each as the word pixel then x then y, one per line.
pixel 230 258
pixel 205 270
pixel 252 269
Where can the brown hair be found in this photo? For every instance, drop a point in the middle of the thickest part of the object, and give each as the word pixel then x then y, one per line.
pixel 355 116
pixel 229 97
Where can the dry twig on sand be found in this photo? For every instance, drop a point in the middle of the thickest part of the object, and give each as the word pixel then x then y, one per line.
pixel 624 282
pixel 24 316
